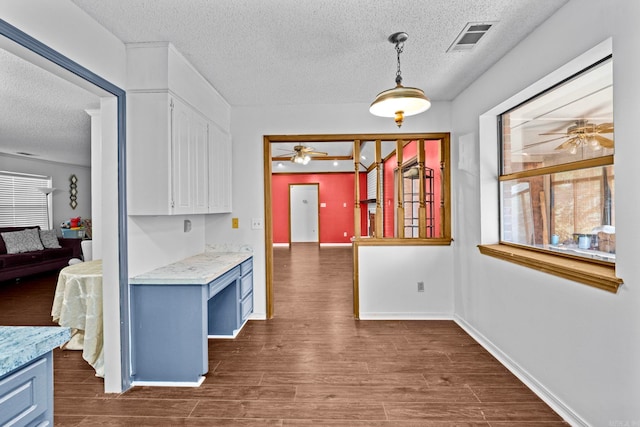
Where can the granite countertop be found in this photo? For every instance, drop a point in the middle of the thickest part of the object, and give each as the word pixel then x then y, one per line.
pixel 20 345
pixel 196 270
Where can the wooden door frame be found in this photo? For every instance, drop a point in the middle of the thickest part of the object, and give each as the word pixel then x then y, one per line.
pixel 302 139
pixel 317 185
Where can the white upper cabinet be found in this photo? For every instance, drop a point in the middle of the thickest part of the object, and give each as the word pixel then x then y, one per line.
pixel 190 166
pixel 169 146
pixel 220 171
pixel 178 146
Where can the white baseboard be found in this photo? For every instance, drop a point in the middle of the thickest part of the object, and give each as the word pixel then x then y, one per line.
pixel 168 383
pixel 404 316
pixel 539 389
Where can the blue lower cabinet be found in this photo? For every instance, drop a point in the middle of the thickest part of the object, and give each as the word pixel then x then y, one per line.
pixel 26 395
pixel 172 322
pixel 169 333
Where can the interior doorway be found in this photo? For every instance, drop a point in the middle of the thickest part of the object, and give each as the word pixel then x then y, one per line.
pixel 304 220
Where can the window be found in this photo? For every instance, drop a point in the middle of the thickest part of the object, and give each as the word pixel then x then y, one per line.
pixel 21 203
pixel 557 174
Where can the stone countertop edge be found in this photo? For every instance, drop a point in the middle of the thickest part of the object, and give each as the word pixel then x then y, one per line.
pixel 20 345
pixel 196 270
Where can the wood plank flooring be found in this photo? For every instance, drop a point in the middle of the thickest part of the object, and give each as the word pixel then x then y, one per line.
pixel 312 365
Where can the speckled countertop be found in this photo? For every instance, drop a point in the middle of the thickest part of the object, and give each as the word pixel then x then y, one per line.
pixel 20 345
pixel 196 270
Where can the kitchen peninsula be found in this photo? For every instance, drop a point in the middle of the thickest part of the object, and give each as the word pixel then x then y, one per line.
pixel 176 308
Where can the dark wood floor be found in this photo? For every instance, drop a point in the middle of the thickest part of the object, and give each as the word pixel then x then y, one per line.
pixel 311 365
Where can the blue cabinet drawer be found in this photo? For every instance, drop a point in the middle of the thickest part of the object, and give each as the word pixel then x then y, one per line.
pixel 223 281
pixel 246 285
pixel 246 266
pixel 23 394
pixel 247 306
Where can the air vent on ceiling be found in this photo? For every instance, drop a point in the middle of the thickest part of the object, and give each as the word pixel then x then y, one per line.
pixel 22 153
pixel 470 36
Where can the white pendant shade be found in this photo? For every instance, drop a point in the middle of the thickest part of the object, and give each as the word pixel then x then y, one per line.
pixel 408 100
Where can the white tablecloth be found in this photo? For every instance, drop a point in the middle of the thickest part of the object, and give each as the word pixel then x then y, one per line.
pixel 78 305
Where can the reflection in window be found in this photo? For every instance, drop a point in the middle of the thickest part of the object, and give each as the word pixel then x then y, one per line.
pixel 557 173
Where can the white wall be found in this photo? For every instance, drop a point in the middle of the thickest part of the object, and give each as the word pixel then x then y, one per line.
pixel 577 345
pixel 388 282
pixel 250 124
pixel 59 173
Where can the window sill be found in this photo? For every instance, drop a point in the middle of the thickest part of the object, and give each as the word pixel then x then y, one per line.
pixel 583 271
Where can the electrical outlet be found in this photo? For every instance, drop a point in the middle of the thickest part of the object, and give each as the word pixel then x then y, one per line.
pixel 256 224
pixel 345 234
pixel 420 286
pixel 234 222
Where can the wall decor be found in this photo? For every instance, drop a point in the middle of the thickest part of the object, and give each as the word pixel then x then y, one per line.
pixel 73 191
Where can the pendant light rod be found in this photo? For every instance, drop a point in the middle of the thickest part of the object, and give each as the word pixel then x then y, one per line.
pixel 398 39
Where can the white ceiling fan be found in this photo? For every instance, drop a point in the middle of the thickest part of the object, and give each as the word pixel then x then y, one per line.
pixel 303 154
pixel 582 133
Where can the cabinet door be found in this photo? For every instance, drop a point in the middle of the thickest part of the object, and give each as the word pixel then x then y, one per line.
pixel 190 160
pixel 200 170
pixel 149 154
pixel 220 170
pixel 181 158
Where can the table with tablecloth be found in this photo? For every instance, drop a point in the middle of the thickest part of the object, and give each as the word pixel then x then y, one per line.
pixel 78 305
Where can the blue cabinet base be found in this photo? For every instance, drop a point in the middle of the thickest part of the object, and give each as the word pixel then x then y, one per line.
pixel 171 324
pixel 26 395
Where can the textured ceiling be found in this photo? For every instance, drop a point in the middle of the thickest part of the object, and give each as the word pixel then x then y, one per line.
pixel 257 52
pixel 43 114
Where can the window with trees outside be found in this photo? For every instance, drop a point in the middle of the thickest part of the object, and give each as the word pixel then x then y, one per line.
pixel 557 179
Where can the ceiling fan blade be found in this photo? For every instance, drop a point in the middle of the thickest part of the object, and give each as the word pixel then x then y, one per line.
pixel 604 128
pixel 543 142
pixel 567 144
pixel 604 142
pixel 316 153
pixel 554 133
pixel 286 151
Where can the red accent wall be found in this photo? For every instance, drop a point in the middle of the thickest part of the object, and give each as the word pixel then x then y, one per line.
pixel 334 189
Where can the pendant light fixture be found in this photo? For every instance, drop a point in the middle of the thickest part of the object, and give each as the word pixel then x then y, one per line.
pixel 400 101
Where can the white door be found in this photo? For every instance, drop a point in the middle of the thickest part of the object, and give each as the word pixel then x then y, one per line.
pixel 303 213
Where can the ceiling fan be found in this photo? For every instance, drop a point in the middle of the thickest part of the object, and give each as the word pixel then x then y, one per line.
pixel 302 154
pixel 582 133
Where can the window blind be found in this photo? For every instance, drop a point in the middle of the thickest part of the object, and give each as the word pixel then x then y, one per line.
pixel 21 203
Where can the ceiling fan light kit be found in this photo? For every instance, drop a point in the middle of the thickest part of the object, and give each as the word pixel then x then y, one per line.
pixel 399 101
pixel 302 154
pixel 584 134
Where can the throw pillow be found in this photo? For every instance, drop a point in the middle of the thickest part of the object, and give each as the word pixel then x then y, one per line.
pixel 26 240
pixel 49 239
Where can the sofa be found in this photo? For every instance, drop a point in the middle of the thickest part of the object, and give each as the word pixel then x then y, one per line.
pixel 21 254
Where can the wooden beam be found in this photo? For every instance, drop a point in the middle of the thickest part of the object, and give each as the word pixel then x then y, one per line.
pixel 357 218
pixel 400 190
pixel 379 192
pixel 422 210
